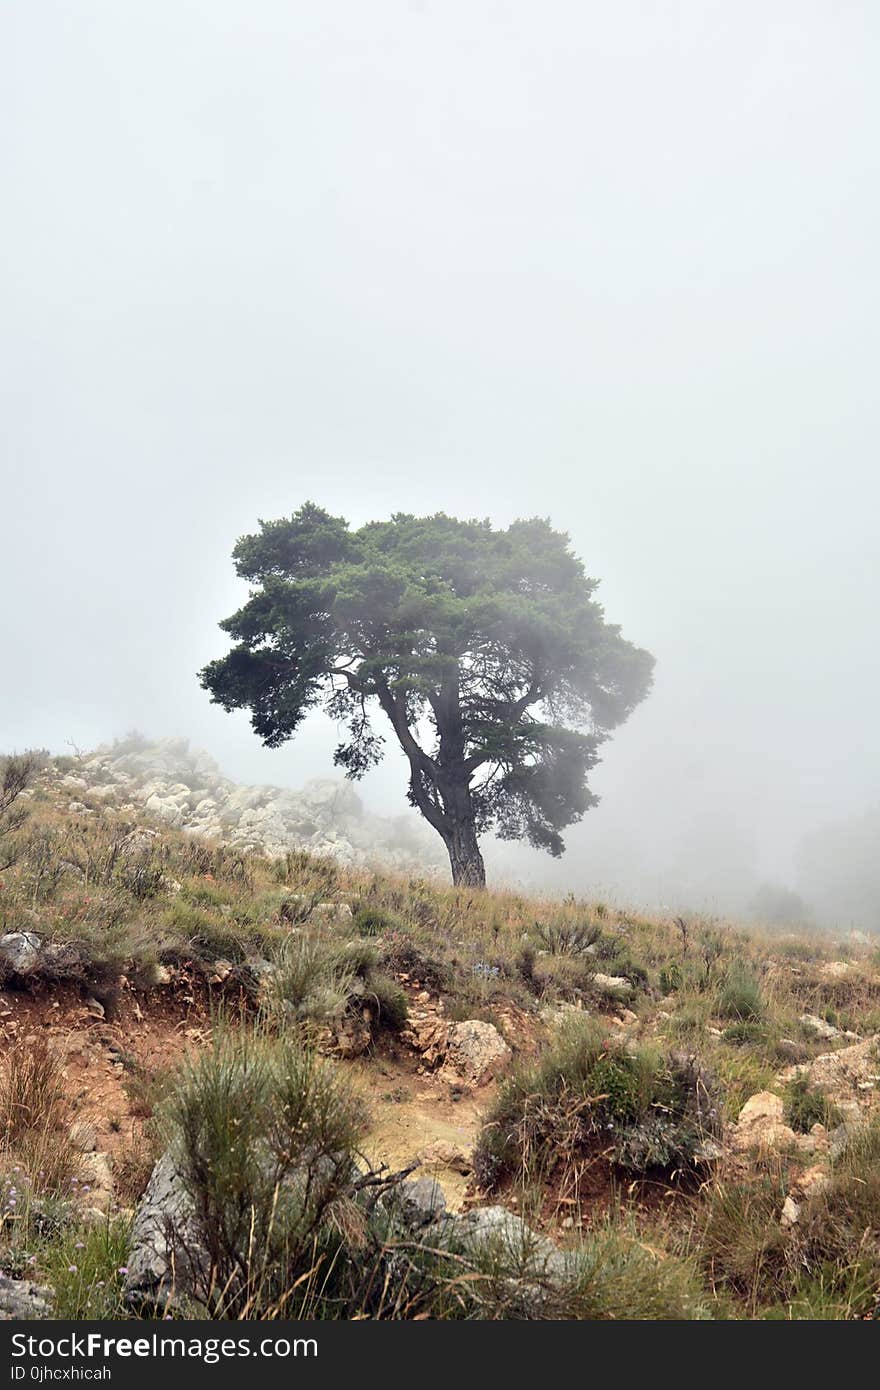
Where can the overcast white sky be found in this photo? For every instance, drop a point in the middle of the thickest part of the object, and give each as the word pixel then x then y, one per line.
pixel 611 263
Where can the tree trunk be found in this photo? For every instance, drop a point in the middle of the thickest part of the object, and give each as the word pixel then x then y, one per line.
pixel 468 869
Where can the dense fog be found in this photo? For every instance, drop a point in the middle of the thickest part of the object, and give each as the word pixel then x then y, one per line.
pixel 615 265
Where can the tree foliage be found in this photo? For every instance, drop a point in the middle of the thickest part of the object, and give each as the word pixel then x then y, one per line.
pixel 485 650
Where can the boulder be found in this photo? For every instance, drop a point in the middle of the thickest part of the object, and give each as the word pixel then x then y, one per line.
pixel 761 1124
pixel 168 811
pixel 812 1182
pixel 22 1299
pixel 96 1186
pixel 836 969
pixel 166 1255
pixel 532 1255
pixel 841 1073
pixel 138 841
pixel 19 952
pixel 416 1203
pixel 442 1154
pixel 428 1034
pixel 84 1136
pixel 475 1053
pixel 615 984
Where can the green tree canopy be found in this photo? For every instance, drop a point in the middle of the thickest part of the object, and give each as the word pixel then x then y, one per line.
pixel 485 650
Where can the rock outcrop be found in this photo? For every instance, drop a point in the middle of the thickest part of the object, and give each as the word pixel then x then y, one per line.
pixel 22 1299
pixel 168 1259
pixel 849 1076
pixel 761 1125
pixel 475 1053
pixel 167 1255
pixel 187 790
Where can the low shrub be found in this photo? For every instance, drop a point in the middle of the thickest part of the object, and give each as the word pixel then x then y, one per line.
pixel 741 1244
pixel 389 998
pixel 739 993
pixel 403 954
pixel 566 938
pixel 264 1133
pixel 825 1266
pixel 589 1097
pixel 312 982
pixel 375 921
pixel 806 1105
pixel 746 1032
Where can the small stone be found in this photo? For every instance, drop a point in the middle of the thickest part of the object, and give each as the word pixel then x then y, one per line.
pixel 813 1181
pixel 97 1174
pixel 819 1027
pixel 220 972
pixel 20 952
pixel 83 1136
pixel 442 1154
pixel 761 1124
pixel 790 1213
pixel 615 984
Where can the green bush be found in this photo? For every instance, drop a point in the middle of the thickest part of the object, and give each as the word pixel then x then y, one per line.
pixel 746 1032
pixel 806 1106
pixel 566 938
pixel 670 978
pixel 588 1095
pixel 402 953
pixel 264 1133
pixel 312 981
pixel 374 921
pixel 389 998
pixel 739 994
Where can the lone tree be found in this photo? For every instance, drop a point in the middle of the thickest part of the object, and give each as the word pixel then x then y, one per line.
pixel 484 649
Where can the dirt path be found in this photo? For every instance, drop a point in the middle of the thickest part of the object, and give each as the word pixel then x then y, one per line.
pixel 109 1066
pixel 414 1117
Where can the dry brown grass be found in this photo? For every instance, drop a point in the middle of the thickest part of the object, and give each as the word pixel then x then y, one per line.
pixel 33 1127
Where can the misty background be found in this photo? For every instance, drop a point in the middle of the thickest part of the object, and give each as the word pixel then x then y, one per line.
pixel 611 264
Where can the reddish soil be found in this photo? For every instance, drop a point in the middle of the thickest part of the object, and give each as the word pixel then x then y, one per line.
pixel 104 1061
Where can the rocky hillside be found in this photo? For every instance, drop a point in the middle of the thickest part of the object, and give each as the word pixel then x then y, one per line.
pixel 451 1103
pixel 186 789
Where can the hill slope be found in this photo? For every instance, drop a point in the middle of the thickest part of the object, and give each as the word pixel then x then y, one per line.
pixel 688 1108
